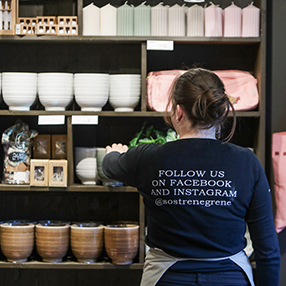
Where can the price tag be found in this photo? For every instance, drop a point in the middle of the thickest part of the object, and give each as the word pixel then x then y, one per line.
pixel 85 120
pixel 160 45
pixel 51 119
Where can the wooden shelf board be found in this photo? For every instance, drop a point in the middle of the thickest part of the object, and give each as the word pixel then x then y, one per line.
pixel 69 265
pixel 99 188
pixel 130 39
pixel 106 113
pixel 72 188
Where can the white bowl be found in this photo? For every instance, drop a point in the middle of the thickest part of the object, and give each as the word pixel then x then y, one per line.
pixel 124 104
pixel 19 90
pixel 86 171
pixel 91 90
pixel 55 90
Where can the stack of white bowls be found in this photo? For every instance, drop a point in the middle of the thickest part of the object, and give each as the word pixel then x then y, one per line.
pixel 125 90
pixel 19 89
pixel 55 90
pixel 85 165
pixel 91 90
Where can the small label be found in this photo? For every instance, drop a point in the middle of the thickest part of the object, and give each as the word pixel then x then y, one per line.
pixel 18 29
pixel 84 120
pixel 21 176
pixel 51 119
pixel 17 157
pixel 160 45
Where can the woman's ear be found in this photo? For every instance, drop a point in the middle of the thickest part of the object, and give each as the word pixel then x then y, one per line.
pixel 179 112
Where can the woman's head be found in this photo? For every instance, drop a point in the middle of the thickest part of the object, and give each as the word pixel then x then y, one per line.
pixel 201 95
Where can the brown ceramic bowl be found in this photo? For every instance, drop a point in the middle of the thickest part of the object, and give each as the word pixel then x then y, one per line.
pixel 121 242
pixel 87 241
pixel 17 240
pixel 52 240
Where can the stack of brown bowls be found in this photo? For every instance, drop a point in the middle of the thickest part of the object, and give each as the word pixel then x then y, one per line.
pixel 121 242
pixel 87 241
pixel 52 240
pixel 17 240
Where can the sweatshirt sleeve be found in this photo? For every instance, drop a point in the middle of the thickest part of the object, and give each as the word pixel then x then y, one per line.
pixel 122 167
pixel 262 230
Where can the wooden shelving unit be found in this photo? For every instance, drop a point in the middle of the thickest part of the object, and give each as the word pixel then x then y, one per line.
pixel 65 54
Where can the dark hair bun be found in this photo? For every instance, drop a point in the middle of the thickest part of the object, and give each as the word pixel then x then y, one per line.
pixel 210 108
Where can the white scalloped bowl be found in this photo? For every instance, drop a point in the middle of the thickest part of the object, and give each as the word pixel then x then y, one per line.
pixel 19 90
pixel 55 90
pixel 91 91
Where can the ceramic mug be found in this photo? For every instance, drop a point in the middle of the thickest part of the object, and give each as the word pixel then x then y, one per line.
pixel 87 241
pixel 121 242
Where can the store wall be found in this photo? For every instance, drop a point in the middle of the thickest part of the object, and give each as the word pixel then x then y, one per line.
pixel 276 105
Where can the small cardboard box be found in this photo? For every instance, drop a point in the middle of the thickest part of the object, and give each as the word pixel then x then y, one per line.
pixel 39 172
pixel 42 146
pixel 59 146
pixel 58 172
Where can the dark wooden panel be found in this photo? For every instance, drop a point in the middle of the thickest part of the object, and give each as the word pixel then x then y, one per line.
pixel 214 57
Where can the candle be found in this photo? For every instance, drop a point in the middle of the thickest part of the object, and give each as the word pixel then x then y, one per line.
pixel 142 20
pixel 176 21
pixel 108 20
pixel 125 19
pixel 232 21
pixel 213 21
pixel 91 20
pixel 159 20
pixel 250 21
pixel 195 21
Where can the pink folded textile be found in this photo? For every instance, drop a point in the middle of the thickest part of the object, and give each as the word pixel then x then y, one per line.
pixel 239 84
pixel 159 84
pixel 279 168
pixel 243 86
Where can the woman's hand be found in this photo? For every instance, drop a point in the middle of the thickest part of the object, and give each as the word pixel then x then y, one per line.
pixel 116 147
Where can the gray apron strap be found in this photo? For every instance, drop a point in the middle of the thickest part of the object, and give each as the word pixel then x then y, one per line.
pixel 242 260
pixel 157 262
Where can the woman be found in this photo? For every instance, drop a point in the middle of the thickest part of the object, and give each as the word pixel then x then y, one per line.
pixel 198 193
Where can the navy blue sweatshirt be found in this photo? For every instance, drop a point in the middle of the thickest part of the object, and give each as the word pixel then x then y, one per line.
pixel 198 194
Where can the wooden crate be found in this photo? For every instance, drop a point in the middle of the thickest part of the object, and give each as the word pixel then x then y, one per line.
pixel 67 30
pixel 23 30
pixel 67 20
pixel 46 20
pixel 27 21
pixel 47 29
pixel 10 12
